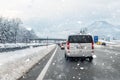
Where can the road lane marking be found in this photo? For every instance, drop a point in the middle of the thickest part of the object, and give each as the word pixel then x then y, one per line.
pixel 43 72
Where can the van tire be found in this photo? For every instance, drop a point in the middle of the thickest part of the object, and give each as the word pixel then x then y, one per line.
pixel 90 58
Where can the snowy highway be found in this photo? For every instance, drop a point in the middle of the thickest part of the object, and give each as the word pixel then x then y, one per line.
pixel 60 40
pixel 105 66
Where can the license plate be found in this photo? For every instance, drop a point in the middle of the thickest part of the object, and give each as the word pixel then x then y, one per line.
pixel 79 47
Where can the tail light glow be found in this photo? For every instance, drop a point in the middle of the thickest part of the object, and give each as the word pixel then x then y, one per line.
pixel 92 45
pixel 68 45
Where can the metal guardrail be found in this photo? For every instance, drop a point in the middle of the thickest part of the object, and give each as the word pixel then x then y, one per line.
pixel 18 48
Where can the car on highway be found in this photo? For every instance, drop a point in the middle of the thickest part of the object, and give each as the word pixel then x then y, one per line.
pixel 62 46
pixel 79 46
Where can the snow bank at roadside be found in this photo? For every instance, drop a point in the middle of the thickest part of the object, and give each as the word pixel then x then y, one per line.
pixel 13 45
pixel 14 64
pixel 112 43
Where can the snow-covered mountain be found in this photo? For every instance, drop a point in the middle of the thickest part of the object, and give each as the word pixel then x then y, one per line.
pixel 104 29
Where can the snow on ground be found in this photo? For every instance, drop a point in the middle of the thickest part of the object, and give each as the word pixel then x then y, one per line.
pixel 112 43
pixel 115 43
pixel 14 64
pixel 98 46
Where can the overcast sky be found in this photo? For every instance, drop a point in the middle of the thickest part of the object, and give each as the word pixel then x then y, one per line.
pixel 57 18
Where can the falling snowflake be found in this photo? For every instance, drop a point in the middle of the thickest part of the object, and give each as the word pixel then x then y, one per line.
pixel 27 60
pixel 79 22
pixel 111 57
pixel 63 0
pixel 76 68
pixel 103 64
pixel 73 77
pixel 81 68
pixel 53 63
pixel 78 64
pixel 79 74
pixel 94 56
pixel 79 78
pixel 113 60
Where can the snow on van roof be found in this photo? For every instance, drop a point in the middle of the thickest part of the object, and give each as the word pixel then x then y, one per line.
pixel 80 34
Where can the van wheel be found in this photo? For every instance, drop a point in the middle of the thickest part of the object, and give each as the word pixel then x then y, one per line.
pixel 90 58
pixel 66 57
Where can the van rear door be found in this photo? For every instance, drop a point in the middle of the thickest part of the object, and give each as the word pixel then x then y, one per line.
pixel 80 42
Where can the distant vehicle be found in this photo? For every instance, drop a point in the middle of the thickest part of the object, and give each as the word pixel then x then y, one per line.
pixel 79 46
pixel 62 46
pixel 58 44
pixel 103 43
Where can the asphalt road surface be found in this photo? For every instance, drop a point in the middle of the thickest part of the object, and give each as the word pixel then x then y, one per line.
pixel 105 66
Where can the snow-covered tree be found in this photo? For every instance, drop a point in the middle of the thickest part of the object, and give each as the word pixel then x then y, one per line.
pixel 11 31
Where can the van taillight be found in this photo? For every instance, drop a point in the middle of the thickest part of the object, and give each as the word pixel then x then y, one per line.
pixel 92 45
pixel 68 45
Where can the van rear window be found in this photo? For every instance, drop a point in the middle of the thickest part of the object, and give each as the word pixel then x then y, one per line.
pixel 80 39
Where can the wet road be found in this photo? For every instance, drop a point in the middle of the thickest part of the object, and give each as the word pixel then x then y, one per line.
pixel 105 66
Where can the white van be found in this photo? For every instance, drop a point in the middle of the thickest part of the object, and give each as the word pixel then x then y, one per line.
pixel 79 46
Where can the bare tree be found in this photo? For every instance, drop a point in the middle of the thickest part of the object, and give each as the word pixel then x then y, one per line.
pixel 83 30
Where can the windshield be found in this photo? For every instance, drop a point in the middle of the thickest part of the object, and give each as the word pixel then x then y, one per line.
pixel 59 39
